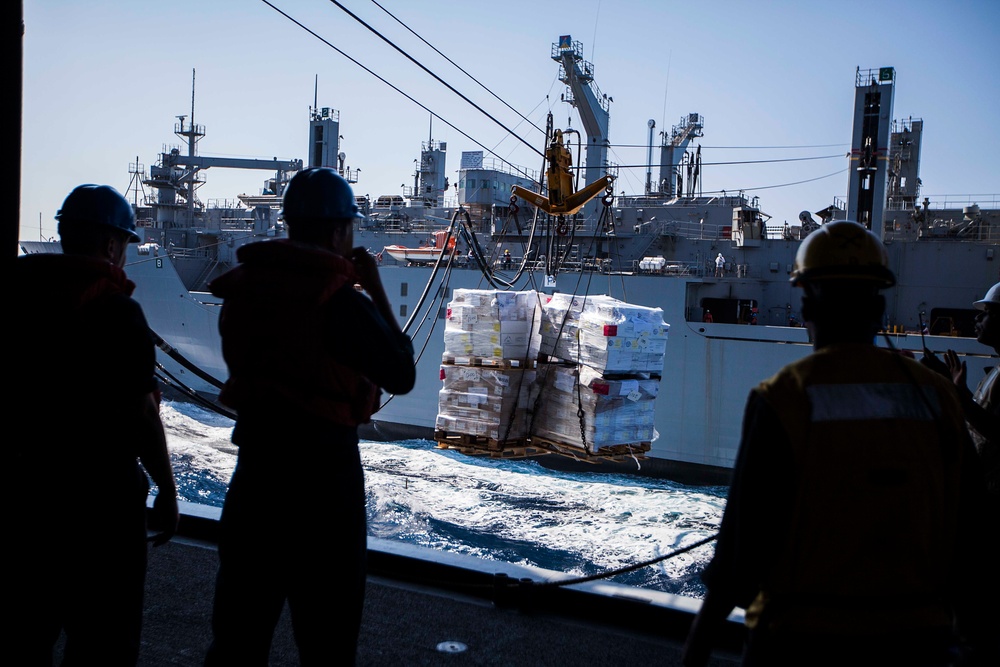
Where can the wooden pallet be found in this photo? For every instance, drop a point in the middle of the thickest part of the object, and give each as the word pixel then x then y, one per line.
pixel 486 362
pixel 620 452
pixel 478 445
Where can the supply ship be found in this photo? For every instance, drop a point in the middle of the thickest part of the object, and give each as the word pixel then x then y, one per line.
pixel 730 326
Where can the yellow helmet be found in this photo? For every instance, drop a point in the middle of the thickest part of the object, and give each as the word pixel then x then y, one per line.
pixel 842 250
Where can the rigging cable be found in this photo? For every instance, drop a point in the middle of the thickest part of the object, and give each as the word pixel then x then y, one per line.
pixel 434 307
pixel 183 361
pixel 457 66
pixel 171 381
pixel 439 79
pixel 734 162
pixel 383 80
pixel 504 581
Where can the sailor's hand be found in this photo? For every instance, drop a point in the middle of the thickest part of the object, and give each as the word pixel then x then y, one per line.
pixel 956 369
pixel 164 518
pixel 366 266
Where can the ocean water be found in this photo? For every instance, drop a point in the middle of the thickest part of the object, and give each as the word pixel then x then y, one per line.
pixel 512 511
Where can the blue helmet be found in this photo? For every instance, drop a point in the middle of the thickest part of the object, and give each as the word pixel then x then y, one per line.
pixel 98 205
pixel 319 193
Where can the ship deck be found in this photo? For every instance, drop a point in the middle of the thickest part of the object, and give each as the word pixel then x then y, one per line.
pixel 420 607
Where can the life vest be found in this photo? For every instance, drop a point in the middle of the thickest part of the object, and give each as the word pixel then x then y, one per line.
pixel 875 442
pixel 90 347
pixel 273 322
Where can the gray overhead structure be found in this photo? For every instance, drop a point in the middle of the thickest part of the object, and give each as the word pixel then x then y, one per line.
pixel 867 185
pixel 177 177
pixel 674 170
pixel 904 164
pixel 430 184
pixel 583 94
pixel 324 143
pixel 592 105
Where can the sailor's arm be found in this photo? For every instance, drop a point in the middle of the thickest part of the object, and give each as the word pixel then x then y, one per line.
pixel 986 423
pixel 367 269
pixel 373 344
pixel 155 459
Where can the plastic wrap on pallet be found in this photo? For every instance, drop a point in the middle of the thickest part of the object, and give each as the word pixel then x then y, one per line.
pixel 615 412
pixel 499 345
pixel 494 305
pixel 488 402
pixel 492 323
pixel 603 333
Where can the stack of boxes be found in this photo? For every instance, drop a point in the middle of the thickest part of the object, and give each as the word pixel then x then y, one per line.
pixel 485 402
pixel 488 364
pixel 606 358
pixel 489 324
pixel 606 334
pixel 601 357
pixel 615 412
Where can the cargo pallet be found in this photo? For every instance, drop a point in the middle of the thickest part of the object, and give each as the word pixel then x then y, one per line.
pixel 486 362
pixel 479 445
pixel 514 448
pixel 621 452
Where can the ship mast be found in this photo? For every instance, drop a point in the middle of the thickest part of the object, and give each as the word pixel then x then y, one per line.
pixel 193 133
pixel 866 192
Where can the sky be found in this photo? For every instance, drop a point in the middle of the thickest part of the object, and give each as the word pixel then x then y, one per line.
pixel 104 82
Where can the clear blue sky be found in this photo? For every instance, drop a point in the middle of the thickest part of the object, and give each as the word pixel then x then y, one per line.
pixel 105 80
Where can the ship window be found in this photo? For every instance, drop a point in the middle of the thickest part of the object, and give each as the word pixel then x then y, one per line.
pixel 402 310
pixel 729 311
pixel 403 288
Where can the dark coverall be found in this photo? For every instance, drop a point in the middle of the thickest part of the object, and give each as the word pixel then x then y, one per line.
pixel 77 494
pixel 307 354
pixel 851 533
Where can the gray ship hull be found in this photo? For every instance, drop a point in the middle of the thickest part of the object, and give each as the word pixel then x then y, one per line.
pixel 709 368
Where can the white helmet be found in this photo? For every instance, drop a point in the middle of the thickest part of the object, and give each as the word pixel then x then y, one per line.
pixel 992 296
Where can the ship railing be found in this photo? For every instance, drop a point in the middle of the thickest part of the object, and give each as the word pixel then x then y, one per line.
pixel 188 253
pixel 783 231
pixel 948 202
pixel 670 269
pixel 653 201
pixel 964 231
pixel 687 229
pixel 228 203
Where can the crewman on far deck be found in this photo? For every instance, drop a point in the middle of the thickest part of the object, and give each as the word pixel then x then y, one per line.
pixel 852 533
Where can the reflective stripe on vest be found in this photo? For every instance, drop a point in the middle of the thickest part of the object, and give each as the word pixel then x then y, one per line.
pixel 854 402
